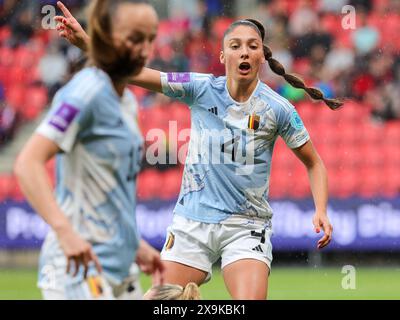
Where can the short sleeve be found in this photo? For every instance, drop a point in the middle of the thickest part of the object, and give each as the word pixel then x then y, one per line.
pixel 64 121
pixel 180 86
pixel 291 127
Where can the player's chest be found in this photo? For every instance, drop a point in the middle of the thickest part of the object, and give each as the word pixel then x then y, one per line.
pixel 255 118
pixel 114 134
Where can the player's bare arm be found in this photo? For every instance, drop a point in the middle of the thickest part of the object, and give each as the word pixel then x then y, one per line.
pixel 319 188
pixel 69 28
pixel 32 176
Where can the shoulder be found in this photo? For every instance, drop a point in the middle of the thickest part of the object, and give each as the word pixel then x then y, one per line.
pixel 129 101
pixel 276 102
pixel 209 81
pixel 83 87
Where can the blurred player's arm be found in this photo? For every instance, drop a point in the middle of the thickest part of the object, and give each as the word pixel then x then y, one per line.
pixel 34 181
pixel 149 262
pixel 149 79
pixel 319 187
pixel 69 28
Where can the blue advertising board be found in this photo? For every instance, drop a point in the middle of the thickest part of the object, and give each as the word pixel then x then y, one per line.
pixel 358 224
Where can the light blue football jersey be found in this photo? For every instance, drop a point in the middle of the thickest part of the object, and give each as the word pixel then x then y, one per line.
pixel 227 168
pixel 96 171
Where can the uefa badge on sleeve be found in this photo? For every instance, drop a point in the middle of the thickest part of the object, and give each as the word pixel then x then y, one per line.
pixel 253 122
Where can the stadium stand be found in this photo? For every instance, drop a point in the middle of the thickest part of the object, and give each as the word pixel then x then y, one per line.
pixel 355 142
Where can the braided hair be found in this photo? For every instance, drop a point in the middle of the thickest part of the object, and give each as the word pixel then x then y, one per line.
pixel 278 68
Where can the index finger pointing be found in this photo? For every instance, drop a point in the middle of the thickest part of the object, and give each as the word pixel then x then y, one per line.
pixel 64 9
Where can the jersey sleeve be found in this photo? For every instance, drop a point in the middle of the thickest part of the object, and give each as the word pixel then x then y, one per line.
pixel 291 127
pixel 180 85
pixel 64 121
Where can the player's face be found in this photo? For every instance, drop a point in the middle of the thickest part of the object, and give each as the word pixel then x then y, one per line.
pixel 134 31
pixel 243 54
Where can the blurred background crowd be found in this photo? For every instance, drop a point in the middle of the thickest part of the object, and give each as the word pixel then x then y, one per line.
pixel 314 39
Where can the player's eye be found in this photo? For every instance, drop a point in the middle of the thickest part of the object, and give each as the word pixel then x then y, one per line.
pixel 136 39
pixel 234 46
pixel 152 38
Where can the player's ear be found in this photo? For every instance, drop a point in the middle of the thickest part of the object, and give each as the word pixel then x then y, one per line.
pixel 222 57
pixel 263 60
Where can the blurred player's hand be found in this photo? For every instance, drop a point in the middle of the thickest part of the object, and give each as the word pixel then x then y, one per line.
pixel 321 221
pixel 69 28
pixel 77 251
pixel 149 262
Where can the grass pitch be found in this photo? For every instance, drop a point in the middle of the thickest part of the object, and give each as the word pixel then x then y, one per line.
pixel 284 284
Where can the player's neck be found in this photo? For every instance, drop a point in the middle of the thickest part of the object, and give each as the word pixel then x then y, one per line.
pixel 119 87
pixel 241 91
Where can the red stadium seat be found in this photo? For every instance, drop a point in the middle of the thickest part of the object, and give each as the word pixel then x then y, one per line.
pixel 392 133
pixel 148 186
pixel 306 111
pixel 344 182
pixel 4 71
pixel 181 114
pixel 5 187
pixel 24 58
pixel 5 33
pixel 372 155
pixel 220 26
pixel 391 154
pixel 301 186
pixel 371 134
pixel 278 183
pixel 371 182
pixel 6 56
pixel 36 97
pixel 171 182
pixel 331 23
pixel 15 96
pixel 391 175
pixel 15 192
pixel 301 66
pixel 18 75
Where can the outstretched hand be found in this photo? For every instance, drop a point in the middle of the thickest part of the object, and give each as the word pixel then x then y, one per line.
pixel 321 221
pixel 69 28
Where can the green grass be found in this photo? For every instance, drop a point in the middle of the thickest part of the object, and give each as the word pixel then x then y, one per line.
pixel 284 283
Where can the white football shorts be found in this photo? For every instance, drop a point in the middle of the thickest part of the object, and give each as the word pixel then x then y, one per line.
pixel 94 288
pixel 200 245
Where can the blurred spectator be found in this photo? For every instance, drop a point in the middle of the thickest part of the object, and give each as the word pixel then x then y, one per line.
pixel 366 37
pixel 303 20
pixel 332 6
pixel 386 98
pixel 339 59
pixel 315 36
pixel 365 5
pixel 53 68
pixel 8 119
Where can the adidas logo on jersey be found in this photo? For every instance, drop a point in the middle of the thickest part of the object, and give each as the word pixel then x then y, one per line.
pixel 258 248
pixel 213 110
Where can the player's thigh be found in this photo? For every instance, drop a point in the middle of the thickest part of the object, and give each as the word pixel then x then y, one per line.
pixel 187 255
pixel 178 273
pixel 246 279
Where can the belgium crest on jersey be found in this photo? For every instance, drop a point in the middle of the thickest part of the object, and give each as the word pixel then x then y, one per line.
pixel 170 241
pixel 253 122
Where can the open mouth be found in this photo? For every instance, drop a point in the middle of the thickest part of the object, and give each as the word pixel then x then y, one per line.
pixel 244 66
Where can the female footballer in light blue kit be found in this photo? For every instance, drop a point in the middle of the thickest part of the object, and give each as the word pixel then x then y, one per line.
pixel 92 129
pixel 222 209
